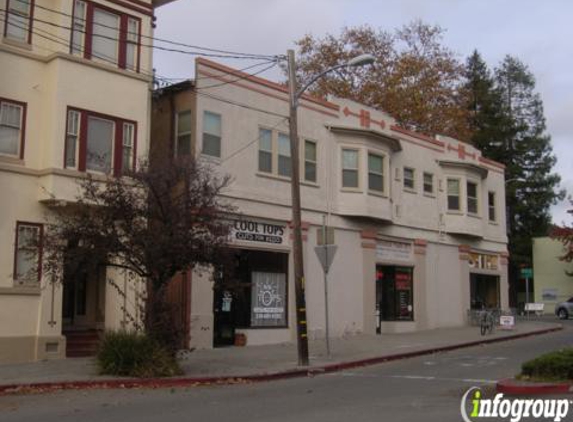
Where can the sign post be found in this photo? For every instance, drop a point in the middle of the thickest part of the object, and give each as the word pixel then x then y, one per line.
pixel 527 273
pixel 325 254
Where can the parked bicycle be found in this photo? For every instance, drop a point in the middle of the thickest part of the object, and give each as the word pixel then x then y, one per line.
pixel 487 321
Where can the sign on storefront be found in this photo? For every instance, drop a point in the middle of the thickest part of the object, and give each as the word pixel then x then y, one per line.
pixel 268 300
pixel 483 261
pixel 256 231
pixel 507 322
pixel 387 250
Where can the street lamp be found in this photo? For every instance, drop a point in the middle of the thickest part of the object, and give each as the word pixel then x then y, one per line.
pixel 294 96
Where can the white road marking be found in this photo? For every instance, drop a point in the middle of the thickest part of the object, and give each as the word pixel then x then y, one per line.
pixel 412 377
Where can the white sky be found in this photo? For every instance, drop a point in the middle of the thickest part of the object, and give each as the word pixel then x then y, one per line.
pixel 537 32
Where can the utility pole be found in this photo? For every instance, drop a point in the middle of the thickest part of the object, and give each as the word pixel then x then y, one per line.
pixel 301 323
pixel 324 244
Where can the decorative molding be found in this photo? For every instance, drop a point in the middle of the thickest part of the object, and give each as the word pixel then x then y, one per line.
pixel 370 234
pixel 20 291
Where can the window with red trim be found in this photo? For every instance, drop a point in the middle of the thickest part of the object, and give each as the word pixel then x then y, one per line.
pixel 28 253
pixel 18 23
pixel 99 143
pixel 12 128
pixel 105 35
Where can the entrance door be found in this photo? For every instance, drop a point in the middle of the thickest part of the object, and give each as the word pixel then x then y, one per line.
pixel 484 291
pixel 75 302
pixel 224 321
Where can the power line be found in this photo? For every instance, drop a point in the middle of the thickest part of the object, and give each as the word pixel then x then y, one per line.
pixel 222 53
pixel 244 147
pixel 240 78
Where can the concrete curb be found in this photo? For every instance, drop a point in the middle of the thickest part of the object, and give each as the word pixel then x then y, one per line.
pixel 125 383
pixel 522 388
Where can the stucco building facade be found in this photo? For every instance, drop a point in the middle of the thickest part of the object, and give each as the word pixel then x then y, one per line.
pixel 74 99
pixel 418 222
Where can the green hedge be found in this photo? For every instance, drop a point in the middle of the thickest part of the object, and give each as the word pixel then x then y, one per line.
pixel 553 366
pixel 131 354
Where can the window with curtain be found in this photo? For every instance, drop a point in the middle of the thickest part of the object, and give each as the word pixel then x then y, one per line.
pixel 211 134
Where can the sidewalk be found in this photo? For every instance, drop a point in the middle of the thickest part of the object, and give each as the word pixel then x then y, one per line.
pixel 274 361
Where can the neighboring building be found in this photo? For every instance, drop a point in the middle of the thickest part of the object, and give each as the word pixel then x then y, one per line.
pixel 419 222
pixel 552 284
pixel 74 99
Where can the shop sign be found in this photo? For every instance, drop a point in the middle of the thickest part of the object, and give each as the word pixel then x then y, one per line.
pixel 483 261
pixel 387 250
pixel 268 299
pixel 507 322
pixel 256 231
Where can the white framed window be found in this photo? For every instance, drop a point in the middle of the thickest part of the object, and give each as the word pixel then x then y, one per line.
pixel 131 44
pixel 211 134
pixel 19 20
pixel 28 253
pixel 72 139
pixel 428 183
pixel 265 150
pixel 128 150
pixel 453 191
pixel 99 144
pixel 375 172
pixel 350 168
pixel 284 157
pixel 491 206
pixel 11 128
pixel 310 161
pixel 183 136
pixel 409 178
pixel 472 197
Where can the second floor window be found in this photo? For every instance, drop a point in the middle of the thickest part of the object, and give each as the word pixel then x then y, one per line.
pixel 409 178
pixel 211 134
pixel 375 172
pixel 99 143
pixel 11 128
pixel 310 160
pixel 428 183
pixel 472 192
pixel 491 206
pixel 105 35
pixel 453 195
pixel 183 137
pixel 350 176
pixel 19 20
pixel 284 162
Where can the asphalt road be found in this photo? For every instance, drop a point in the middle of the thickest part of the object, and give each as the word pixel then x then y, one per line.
pixel 428 388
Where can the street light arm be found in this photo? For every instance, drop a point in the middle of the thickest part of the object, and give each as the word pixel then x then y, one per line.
pixel 314 79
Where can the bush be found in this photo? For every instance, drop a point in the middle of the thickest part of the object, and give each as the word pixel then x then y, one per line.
pixel 136 355
pixel 553 366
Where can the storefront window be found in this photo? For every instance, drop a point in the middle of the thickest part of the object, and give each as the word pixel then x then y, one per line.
pixel 394 293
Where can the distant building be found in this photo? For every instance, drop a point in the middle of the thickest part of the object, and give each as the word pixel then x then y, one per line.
pixel 552 284
pixel 418 221
pixel 74 99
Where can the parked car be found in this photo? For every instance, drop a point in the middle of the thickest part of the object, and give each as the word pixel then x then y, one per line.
pixel 564 309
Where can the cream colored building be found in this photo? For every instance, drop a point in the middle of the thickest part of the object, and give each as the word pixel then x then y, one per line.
pixel 552 285
pixel 418 222
pixel 74 98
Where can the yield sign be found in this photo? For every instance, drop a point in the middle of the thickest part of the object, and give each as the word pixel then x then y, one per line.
pixel 325 255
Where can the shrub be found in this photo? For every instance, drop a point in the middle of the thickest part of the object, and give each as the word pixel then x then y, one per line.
pixel 553 366
pixel 136 355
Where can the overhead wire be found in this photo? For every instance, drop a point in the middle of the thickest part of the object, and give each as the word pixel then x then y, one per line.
pixel 210 51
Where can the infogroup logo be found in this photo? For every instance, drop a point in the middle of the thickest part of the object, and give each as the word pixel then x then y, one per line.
pixel 511 409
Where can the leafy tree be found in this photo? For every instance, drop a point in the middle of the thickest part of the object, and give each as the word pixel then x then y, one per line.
pixel 508 126
pixel 154 223
pixel 415 78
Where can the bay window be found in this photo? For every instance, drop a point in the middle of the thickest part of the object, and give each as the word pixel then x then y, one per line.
pixel 28 253
pixel 99 143
pixel 18 23
pixel 106 35
pixel 12 123
pixel 453 187
pixel 472 197
pixel 491 206
pixel 350 172
pixel 183 136
pixel 265 150
pixel 310 161
pixel 284 159
pixel 375 172
pixel 211 134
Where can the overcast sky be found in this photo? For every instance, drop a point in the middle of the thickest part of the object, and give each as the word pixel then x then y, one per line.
pixel 540 33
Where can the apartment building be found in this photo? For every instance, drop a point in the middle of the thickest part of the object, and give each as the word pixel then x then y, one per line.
pixel 74 99
pixel 418 221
